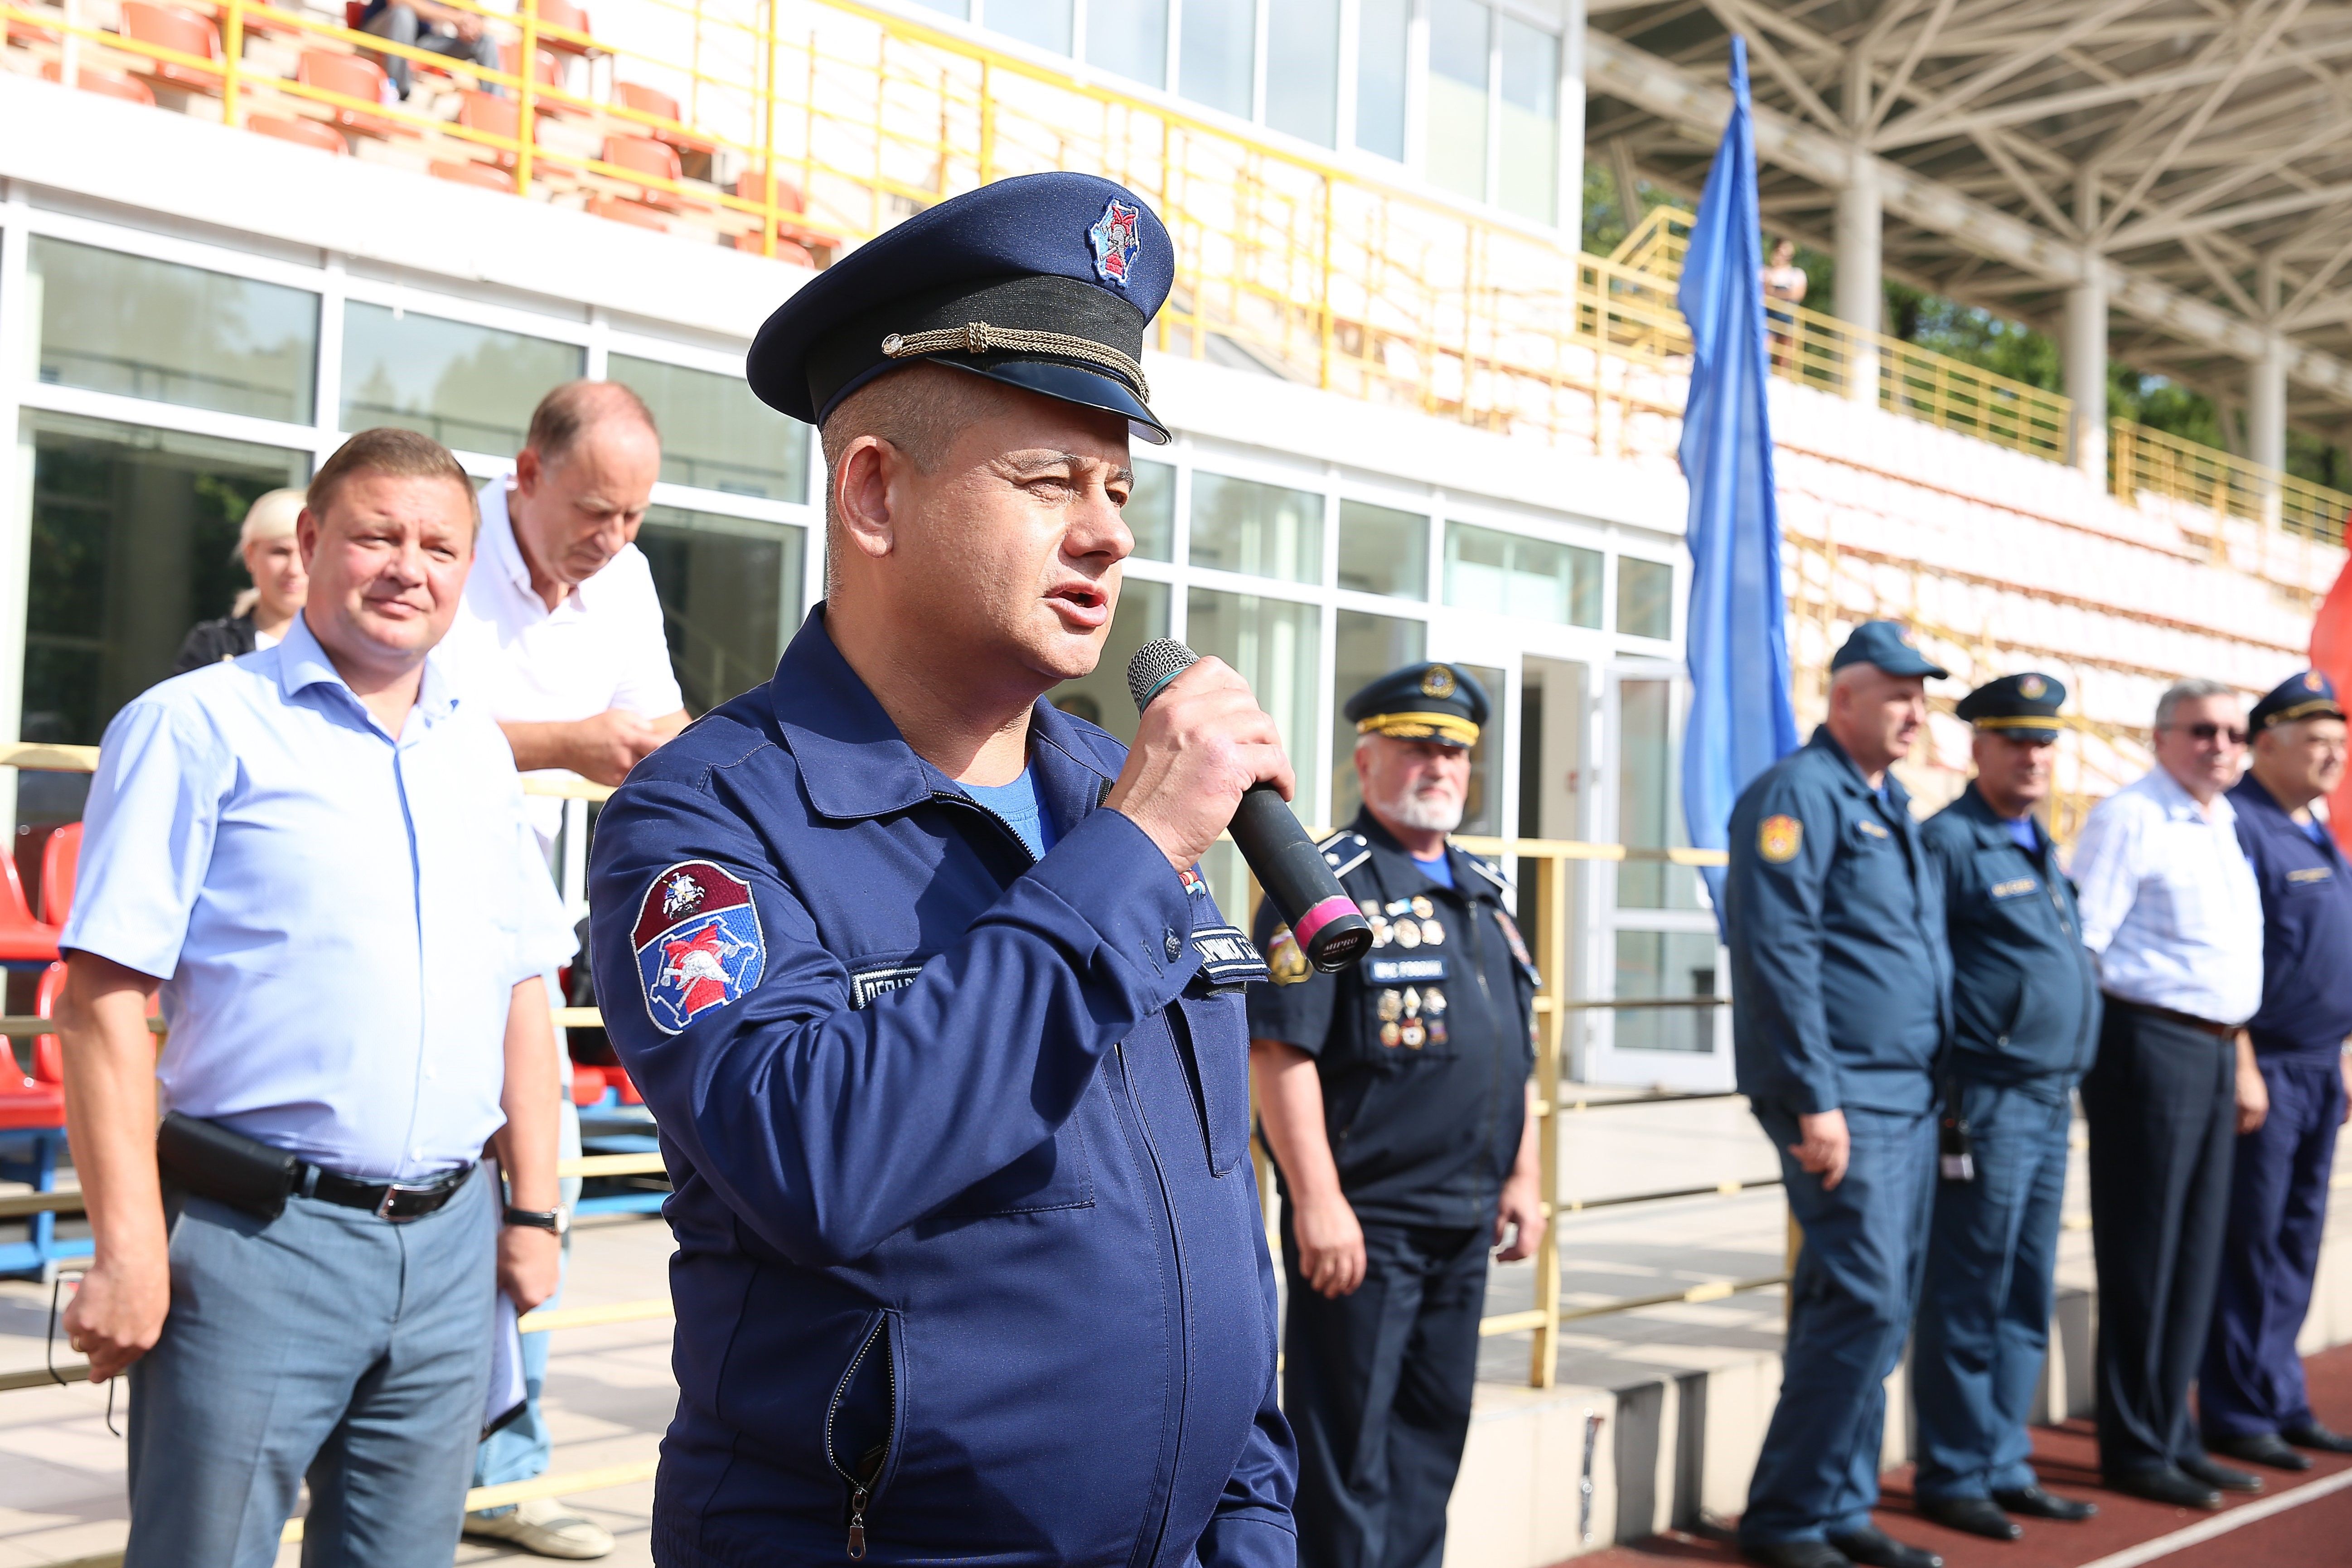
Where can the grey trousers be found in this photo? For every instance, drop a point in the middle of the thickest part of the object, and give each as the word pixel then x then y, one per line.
pixel 326 1345
pixel 399 23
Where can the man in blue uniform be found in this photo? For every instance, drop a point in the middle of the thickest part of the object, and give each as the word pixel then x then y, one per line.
pixel 2250 1394
pixel 944 1035
pixel 1396 1098
pixel 1841 985
pixel 2025 1008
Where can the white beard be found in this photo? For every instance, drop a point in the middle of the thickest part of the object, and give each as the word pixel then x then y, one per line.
pixel 1426 813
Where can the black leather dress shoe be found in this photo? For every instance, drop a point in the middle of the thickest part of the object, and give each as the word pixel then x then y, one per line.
pixel 1874 1547
pixel 2204 1469
pixel 2259 1448
pixel 1797 1554
pixel 2316 1437
pixel 2165 1485
pixel 2035 1503
pixel 1977 1515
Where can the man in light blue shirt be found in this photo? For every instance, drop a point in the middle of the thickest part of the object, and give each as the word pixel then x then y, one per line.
pixel 324 860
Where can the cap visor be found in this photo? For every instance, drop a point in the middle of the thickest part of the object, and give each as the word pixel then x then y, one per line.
pixel 1071 385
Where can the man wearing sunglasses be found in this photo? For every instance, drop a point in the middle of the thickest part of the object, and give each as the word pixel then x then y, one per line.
pixel 2172 912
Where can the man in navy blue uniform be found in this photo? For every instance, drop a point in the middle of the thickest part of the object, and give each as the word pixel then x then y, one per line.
pixel 1842 984
pixel 943 1032
pixel 2250 1394
pixel 1396 1098
pixel 2025 1008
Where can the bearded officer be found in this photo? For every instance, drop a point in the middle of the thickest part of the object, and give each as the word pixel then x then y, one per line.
pixel 944 1036
pixel 1397 1102
pixel 2025 1004
pixel 1841 983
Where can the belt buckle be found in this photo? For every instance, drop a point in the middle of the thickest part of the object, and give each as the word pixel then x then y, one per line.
pixel 392 1191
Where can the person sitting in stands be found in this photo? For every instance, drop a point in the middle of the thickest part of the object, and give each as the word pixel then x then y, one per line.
pixel 436 28
pixel 263 612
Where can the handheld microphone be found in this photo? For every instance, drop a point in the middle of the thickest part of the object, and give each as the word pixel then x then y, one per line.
pixel 1322 917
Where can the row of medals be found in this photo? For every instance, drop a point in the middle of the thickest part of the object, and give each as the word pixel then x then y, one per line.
pixel 1413 1017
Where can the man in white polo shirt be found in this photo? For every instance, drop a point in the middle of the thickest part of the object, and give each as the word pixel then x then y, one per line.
pixel 561 636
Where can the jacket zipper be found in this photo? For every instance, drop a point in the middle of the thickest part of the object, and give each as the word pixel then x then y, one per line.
pixel 1470 908
pixel 1176 1253
pixel 861 1486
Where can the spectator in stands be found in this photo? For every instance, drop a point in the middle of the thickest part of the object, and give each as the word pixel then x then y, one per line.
pixel 262 613
pixel 2171 910
pixel 323 860
pixel 560 637
pixel 1784 285
pixel 436 28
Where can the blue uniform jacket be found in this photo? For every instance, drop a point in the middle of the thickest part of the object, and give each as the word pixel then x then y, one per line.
pixel 2025 990
pixel 1841 982
pixel 2307 887
pixel 968 1238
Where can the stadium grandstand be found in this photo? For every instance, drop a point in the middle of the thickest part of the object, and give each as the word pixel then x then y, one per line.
pixel 2070 387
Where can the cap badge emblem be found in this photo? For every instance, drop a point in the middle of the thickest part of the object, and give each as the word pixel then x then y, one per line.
pixel 2031 687
pixel 2311 680
pixel 1908 638
pixel 1779 838
pixel 1116 236
pixel 1437 681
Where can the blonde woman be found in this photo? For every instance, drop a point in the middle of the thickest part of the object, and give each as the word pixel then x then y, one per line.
pixel 262 613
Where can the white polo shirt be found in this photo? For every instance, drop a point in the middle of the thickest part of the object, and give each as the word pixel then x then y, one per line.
pixel 601 646
pixel 2171 907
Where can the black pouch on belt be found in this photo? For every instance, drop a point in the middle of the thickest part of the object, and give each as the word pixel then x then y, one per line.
pixel 1955 1156
pixel 211 1162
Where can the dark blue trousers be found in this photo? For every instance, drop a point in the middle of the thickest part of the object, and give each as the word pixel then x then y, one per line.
pixel 1984 1311
pixel 2253 1380
pixel 1850 1308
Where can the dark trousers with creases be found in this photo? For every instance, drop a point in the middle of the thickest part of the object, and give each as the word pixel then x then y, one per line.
pixel 2161 1102
pixel 2252 1380
pixel 1377 1388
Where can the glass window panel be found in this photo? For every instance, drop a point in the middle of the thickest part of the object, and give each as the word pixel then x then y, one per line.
pixel 1530 120
pixel 1383 551
pixel 731 597
pixel 133 541
pixel 1266 530
pixel 1649 799
pixel 715 435
pixel 1507 575
pixel 1102 698
pixel 1044 23
pixel 470 389
pixel 1220 58
pixel 1303 97
pixel 1151 511
pixel 1646 593
pixel 111 322
pixel 1364 648
pixel 1129 37
pixel 1482 812
pixel 1458 39
pixel 1381 27
pixel 1272 643
pixel 1660 963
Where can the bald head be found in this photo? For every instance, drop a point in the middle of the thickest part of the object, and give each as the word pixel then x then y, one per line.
pixel 572 411
pixel 583 482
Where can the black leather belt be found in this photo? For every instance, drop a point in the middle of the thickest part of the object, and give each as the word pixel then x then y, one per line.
pixel 395 1201
pixel 2186 1020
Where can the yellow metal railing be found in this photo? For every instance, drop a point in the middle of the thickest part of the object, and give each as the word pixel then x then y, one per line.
pixel 2142 461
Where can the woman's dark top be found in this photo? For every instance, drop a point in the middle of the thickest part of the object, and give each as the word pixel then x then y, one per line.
pixel 209 642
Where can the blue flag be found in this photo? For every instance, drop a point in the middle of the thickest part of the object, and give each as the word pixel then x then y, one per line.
pixel 1741 721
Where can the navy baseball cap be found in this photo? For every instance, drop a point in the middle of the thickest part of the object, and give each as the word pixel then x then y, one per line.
pixel 1043 282
pixel 1891 645
pixel 2025 705
pixel 2309 695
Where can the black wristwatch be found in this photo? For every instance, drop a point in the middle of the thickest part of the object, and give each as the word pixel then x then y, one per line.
pixel 554 1221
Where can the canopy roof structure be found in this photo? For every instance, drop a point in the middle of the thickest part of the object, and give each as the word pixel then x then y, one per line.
pixel 2194 156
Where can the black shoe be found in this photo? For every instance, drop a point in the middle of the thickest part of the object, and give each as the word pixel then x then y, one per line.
pixel 1797 1554
pixel 2201 1469
pixel 2035 1503
pixel 1874 1547
pixel 2311 1435
pixel 2164 1484
pixel 1977 1515
pixel 2259 1448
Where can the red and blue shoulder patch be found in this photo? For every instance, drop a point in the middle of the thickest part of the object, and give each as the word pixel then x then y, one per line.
pixel 697 941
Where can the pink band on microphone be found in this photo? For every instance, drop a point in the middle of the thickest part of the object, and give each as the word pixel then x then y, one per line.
pixel 1319 917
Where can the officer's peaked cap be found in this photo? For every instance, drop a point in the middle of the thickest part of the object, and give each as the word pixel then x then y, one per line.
pixel 2025 705
pixel 1891 645
pixel 1441 702
pixel 1043 281
pixel 2308 695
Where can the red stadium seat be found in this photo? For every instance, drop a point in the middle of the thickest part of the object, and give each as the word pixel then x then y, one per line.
pixel 60 864
pixel 563 13
pixel 350 77
pixel 644 155
pixel 105 83
pixel 587 1083
pixel 168 28
pixel 619 211
pixel 646 101
pixel 623 1087
pixel 23 939
pixel 790 252
pixel 308 133
pixel 752 185
pixel 30 32
pixel 478 174
pixel 48 1052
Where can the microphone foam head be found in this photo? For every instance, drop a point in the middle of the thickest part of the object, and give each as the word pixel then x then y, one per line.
pixel 1155 663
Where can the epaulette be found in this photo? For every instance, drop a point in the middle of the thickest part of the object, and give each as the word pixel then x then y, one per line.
pixel 1344 851
pixel 1502 884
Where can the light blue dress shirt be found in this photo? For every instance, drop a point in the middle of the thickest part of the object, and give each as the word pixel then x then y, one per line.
pixel 339 918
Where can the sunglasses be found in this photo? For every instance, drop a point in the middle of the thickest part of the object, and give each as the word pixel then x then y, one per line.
pixel 2206 733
